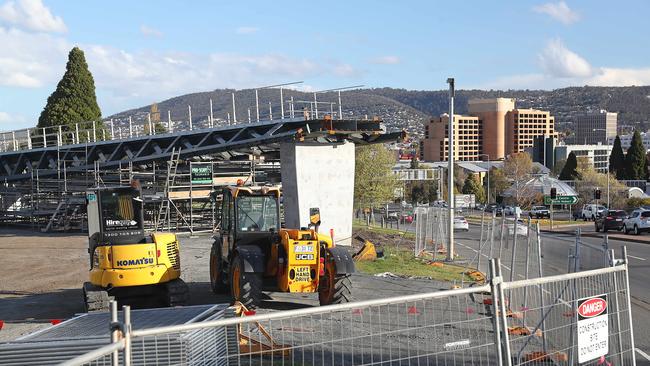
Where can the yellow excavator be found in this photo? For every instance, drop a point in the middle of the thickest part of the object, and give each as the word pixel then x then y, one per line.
pixel 127 264
pixel 252 252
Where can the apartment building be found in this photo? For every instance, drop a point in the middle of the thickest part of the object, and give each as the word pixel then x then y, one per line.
pixel 524 125
pixel 492 113
pixel 467 138
pixel 493 130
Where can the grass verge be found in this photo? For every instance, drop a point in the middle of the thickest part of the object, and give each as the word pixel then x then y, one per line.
pixel 360 225
pixel 401 262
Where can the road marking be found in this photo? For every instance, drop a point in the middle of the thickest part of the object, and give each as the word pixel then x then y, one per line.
pixel 639 258
pixel 645 355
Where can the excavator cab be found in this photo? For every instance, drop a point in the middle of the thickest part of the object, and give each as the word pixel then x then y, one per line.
pixel 126 263
pixel 253 252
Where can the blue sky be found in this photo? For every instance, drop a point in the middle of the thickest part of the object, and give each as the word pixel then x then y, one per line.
pixel 146 51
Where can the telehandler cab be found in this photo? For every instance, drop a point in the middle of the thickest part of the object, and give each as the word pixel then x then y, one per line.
pixel 252 252
pixel 125 263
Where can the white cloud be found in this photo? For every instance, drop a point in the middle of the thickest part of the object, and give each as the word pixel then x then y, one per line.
pixel 5 117
pixel 386 60
pixel 31 60
pixel 558 61
pixel 247 30
pixel 559 11
pixel 31 15
pixel 608 76
pixel 345 70
pixel 562 67
pixel 150 32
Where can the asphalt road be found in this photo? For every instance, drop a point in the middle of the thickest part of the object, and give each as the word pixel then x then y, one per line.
pixel 555 248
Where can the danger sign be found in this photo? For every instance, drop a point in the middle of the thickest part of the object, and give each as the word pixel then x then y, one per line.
pixel 593 328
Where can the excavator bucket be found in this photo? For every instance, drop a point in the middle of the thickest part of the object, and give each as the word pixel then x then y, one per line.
pixel 367 252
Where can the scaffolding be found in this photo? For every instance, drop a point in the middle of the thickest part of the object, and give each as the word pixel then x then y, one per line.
pixel 176 196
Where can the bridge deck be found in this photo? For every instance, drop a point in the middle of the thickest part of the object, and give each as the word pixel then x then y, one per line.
pixel 222 142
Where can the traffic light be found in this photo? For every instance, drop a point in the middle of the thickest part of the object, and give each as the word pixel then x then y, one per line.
pixel 553 193
pixel 597 194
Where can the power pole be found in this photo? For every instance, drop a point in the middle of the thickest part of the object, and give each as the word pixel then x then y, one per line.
pixel 450 171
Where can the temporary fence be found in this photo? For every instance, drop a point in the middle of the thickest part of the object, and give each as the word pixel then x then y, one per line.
pixel 519 243
pixel 526 322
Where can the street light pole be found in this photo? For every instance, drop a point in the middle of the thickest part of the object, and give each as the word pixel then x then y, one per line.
pixel 450 170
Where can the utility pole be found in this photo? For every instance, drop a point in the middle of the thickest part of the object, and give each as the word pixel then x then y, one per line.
pixel 450 171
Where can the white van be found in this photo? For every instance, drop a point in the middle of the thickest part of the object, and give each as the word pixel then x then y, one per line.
pixel 591 211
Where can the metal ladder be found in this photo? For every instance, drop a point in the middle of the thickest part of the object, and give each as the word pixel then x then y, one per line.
pixel 126 174
pixel 165 204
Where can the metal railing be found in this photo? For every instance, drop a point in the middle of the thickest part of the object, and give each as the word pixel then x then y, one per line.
pixel 524 322
pixel 143 123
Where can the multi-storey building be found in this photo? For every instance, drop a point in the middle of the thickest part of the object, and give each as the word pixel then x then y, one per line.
pixel 493 130
pixel 524 125
pixel 594 128
pixel 596 154
pixel 492 113
pixel 467 138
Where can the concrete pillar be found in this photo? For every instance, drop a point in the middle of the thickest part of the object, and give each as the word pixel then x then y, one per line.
pixel 319 175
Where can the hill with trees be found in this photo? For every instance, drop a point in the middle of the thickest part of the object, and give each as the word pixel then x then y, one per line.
pixel 410 109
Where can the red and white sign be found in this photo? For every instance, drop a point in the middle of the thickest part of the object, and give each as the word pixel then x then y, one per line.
pixel 592 307
pixel 593 328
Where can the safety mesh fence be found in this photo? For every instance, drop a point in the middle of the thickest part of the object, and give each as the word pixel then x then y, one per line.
pixel 450 328
pixel 542 319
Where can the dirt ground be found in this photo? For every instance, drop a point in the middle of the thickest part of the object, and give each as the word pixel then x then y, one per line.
pixel 41 277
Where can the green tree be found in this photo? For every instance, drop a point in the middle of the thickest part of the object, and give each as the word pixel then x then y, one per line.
pixel 74 99
pixel 517 169
pixel 374 182
pixel 498 184
pixel 635 161
pixel 569 171
pixel 590 179
pixel 617 160
pixel 472 186
pixel 415 164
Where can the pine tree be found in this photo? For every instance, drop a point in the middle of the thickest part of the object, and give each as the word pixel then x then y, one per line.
pixel 617 160
pixel 569 171
pixel 472 186
pixel 635 161
pixel 74 99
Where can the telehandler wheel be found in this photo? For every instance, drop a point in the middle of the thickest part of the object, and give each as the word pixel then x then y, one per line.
pixel 95 298
pixel 245 287
pixel 334 288
pixel 217 276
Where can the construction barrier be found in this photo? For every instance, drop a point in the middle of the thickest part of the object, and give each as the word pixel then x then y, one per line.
pixel 575 318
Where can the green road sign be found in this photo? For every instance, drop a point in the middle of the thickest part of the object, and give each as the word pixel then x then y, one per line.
pixel 561 200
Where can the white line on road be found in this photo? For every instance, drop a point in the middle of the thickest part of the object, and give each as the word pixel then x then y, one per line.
pixel 643 354
pixel 639 258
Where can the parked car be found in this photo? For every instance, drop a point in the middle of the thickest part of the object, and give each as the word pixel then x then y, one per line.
pixel 460 223
pixel 539 212
pixel 407 218
pixel 508 210
pixel 591 211
pixel 522 228
pixel 491 207
pixel 637 222
pixel 610 220
pixel 479 206
pixel 392 216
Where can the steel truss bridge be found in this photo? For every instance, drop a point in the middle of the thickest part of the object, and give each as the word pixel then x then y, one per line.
pixel 220 142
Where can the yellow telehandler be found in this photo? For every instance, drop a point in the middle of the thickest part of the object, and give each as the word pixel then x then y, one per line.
pixel 252 252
